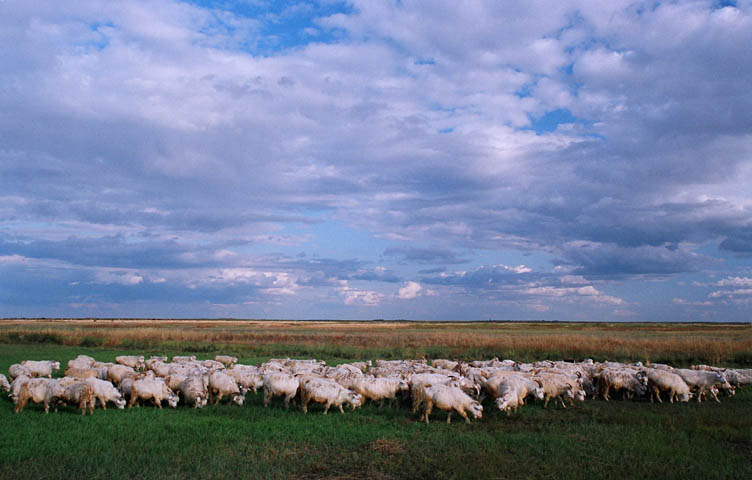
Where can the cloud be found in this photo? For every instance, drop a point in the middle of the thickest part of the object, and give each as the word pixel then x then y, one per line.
pixel 207 145
pixel 413 290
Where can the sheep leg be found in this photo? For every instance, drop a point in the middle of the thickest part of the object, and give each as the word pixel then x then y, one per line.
pixel 429 407
pixel 464 415
pixel 545 404
pixel 267 397
pixel 342 410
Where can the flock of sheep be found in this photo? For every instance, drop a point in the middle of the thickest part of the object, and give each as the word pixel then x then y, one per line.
pixel 443 384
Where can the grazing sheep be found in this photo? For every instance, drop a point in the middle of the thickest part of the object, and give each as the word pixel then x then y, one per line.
pixel 627 380
pixel 183 358
pixel 329 393
pixel 193 391
pixel 38 390
pixel 15 387
pixel 380 389
pixel 451 399
pixel 81 373
pixel 226 360
pixel 4 383
pixel 16 370
pixel 81 361
pixel 554 387
pixel 105 391
pixel 702 381
pixel 152 389
pixel 665 381
pixel 136 362
pixel 280 385
pixel 221 384
pixel 79 394
pixel 247 378
pixel 117 373
pixel 41 368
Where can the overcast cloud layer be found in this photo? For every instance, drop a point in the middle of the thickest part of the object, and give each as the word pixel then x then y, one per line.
pixel 376 159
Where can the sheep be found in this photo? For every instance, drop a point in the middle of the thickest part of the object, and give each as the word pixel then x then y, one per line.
pixel 702 381
pixel 451 399
pixel 81 361
pixel 418 381
pixel 624 379
pixel 248 378
pixel 136 362
pixel 116 373
pixel 227 360
pixel 374 389
pixel 193 392
pixel 81 373
pixel 4 383
pixel 554 386
pixel 78 393
pixel 329 393
pixel 16 370
pixel 183 358
pixel 512 391
pixel 221 384
pixel 152 389
pixel 41 368
pixel 15 386
pixel 160 368
pixel 280 385
pixel 105 391
pixel 446 364
pixel 38 390
pixel 665 381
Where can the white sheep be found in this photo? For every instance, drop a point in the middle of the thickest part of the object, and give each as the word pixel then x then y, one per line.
pixel 221 384
pixel 248 378
pixel 38 390
pixel 134 361
pixel 4 383
pixel 227 360
pixel 41 368
pixel 117 373
pixel 278 384
pixel 554 386
pixel 16 370
pixel 625 379
pixel 451 399
pixel 702 381
pixel 79 394
pixel 105 391
pixel 379 389
pixel 152 389
pixel 665 381
pixel 329 393
pixel 193 392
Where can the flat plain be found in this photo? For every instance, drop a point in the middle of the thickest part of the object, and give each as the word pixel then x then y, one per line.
pixel 596 439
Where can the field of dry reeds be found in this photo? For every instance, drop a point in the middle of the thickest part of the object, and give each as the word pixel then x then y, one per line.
pixel 718 344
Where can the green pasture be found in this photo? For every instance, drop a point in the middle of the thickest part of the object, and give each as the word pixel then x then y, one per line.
pixel 617 439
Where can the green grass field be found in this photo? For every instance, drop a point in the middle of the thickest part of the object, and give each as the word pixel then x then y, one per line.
pixel 617 439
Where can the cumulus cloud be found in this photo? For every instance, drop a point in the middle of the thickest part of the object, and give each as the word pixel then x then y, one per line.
pixel 207 145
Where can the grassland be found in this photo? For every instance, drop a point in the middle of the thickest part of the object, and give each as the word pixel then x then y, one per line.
pixel 618 439
pixel 675 343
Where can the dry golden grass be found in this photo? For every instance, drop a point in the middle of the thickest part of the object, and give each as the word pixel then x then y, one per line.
pixel 713 343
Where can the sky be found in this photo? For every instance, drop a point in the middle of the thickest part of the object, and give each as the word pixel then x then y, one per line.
pixel 364 159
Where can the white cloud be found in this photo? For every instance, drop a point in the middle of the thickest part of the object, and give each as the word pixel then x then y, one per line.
pixel 410 290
